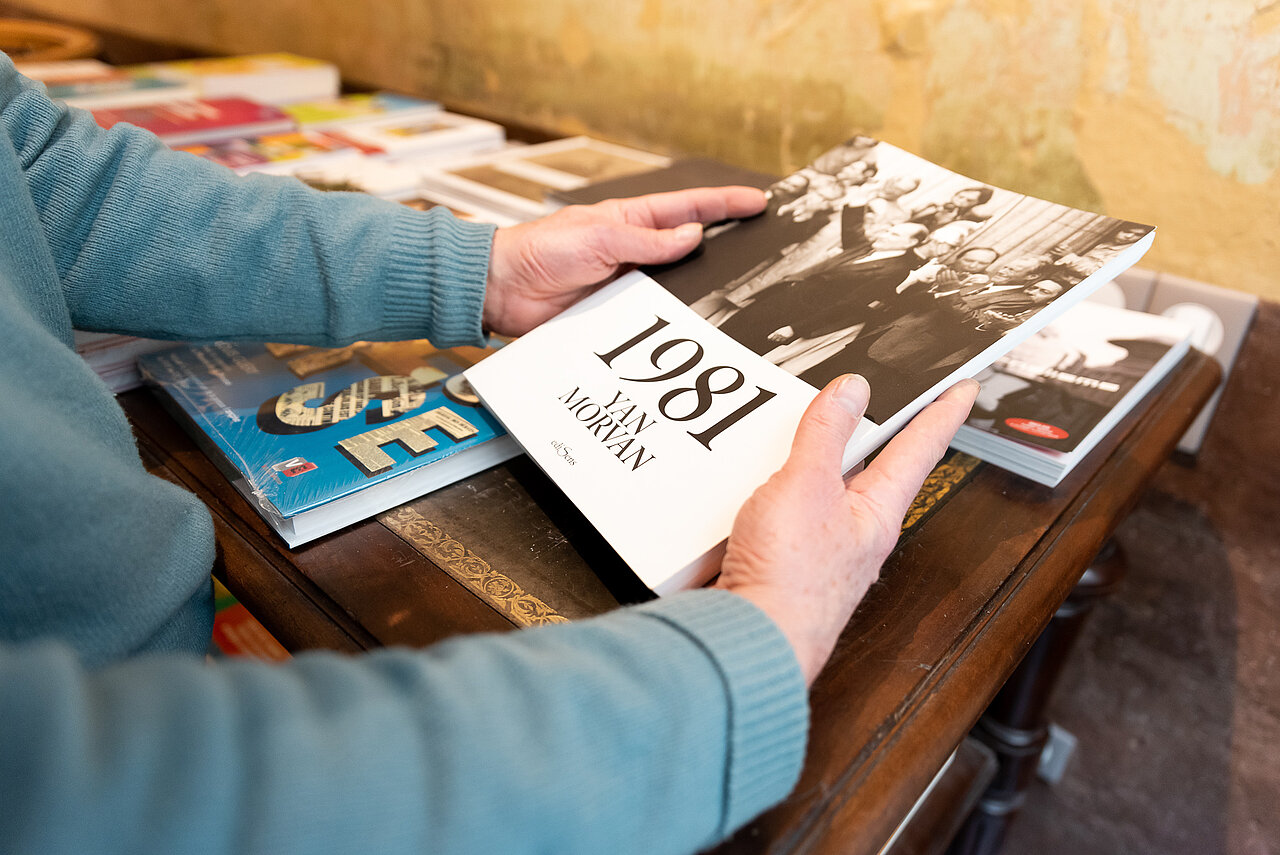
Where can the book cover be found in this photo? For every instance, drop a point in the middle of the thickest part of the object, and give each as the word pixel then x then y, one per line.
pixel 660 402
pixel 279 153
pixel 320 438
pixel 1047 403
pixel 272 78
pixel 518 180
pixel 201 120
pixel 236 632
pixel 359 107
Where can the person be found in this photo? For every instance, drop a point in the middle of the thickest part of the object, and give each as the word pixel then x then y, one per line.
pixel 884 208
pixel 1074 267
pixel 966 272
pixel 999 308
pixel 655 728
pixel 830 295
pixel 961 206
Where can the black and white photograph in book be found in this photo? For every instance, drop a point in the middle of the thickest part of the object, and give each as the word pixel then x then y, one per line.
pixel 875 261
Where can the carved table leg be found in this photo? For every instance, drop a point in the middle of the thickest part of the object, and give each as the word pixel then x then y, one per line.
pixel 1014 725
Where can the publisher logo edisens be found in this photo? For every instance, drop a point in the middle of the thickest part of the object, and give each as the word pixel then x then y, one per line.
pixel 564 451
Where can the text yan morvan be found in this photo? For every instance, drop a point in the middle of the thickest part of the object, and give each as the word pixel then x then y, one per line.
pixel 615 424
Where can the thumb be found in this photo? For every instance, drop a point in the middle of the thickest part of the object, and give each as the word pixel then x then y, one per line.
pixel 829 423
pixel 627 244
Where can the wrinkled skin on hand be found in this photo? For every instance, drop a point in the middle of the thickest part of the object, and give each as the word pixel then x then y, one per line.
pixel 539 268
pixel 807 545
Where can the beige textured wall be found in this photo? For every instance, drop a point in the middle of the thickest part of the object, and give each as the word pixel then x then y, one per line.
pixel 1164 111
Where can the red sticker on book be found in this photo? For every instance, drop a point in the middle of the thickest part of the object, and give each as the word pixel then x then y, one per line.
pixel 305 466
pixel 1035 428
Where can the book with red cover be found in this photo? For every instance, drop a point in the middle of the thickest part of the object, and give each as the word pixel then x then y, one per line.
pixel 201 120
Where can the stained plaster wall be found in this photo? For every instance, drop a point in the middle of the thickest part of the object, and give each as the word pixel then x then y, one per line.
pixel 1165 112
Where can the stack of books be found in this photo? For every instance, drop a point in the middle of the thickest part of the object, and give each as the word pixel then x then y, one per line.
pixel 272 78
pixel 90 84
pixel 1049 401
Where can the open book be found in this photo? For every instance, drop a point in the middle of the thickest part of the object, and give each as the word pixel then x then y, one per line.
pixel 659 403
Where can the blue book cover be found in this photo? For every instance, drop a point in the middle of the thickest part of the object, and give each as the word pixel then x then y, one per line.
pixel 318 438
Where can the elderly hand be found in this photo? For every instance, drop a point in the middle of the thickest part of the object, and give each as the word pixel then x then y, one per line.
pixel 807 545
pixel 539 268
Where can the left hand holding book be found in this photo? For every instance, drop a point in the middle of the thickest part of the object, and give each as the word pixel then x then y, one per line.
pixel 541 267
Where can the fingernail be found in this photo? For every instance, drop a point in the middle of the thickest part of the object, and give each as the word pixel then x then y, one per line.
pixel 689 231
pixel 852 394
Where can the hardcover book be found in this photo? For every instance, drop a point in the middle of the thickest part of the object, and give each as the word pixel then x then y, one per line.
pixel 518 180
pixel 661 402
pixel 201 120
pixel 317 438
pixel 1047 403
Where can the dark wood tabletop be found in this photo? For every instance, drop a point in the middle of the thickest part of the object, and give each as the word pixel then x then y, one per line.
pixel 969 589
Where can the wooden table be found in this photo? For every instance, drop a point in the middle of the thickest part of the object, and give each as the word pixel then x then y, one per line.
pixel 964 597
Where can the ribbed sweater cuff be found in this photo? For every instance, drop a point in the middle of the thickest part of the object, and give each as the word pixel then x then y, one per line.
pixel 436 278
pixel 768 700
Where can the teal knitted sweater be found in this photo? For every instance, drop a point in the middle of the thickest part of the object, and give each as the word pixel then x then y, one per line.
pixel 658 728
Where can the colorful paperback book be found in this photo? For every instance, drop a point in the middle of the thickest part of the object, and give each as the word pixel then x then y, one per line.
pixel 280 153
pixel 318 438
pixel 90 84
pixel 272 78
pixel 201 120
pixel 1047 403
pixel 662 401
pixel 236 632
pixel 358 107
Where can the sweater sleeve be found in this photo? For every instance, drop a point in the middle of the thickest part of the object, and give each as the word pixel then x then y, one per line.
pixel 653 729
pixel 163 244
